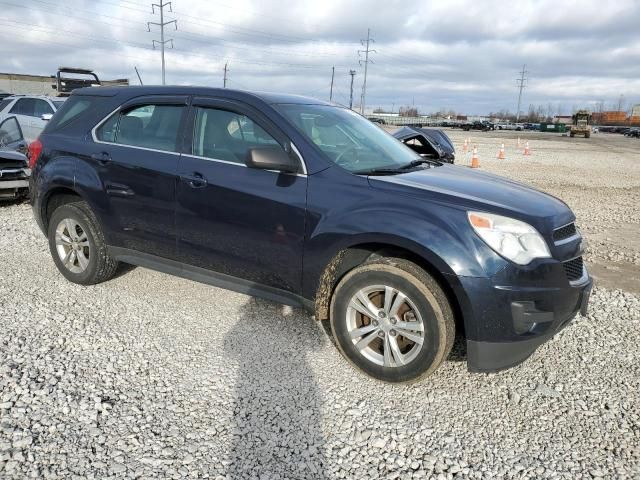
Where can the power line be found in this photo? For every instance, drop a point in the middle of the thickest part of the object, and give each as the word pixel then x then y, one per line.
pixel 186 35
pixel 162 24
pixel 366 43
pixel 57 31
pixel 521 82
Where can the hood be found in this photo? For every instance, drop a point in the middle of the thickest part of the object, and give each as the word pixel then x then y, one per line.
pixel 472 189
pixel 436 139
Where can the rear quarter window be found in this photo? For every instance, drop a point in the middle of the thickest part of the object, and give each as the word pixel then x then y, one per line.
pixel 4 103
pixel 75 108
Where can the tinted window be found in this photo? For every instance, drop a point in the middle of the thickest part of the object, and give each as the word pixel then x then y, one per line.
pixel 70 110
pixel 4 103
pixel 9 132
pixel 226 135
pixel 58 103
pixel 24 106
pixel 148 126
pixel 41 107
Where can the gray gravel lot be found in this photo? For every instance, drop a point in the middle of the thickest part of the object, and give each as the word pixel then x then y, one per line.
pixel 152 376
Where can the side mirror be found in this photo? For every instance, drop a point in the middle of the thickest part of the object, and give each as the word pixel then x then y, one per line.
pixel 271 158
pixel 46 116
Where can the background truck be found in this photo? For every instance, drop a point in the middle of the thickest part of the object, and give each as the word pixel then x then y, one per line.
pixel 581 124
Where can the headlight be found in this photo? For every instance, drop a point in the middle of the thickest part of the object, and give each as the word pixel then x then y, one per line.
pixel 513 239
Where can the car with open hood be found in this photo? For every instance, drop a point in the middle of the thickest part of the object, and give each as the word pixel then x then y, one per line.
pixel 431 143
pixel 14 171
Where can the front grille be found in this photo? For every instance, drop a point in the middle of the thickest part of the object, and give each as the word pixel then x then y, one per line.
pixel 4 163
pixel 564 232
pixel 573 269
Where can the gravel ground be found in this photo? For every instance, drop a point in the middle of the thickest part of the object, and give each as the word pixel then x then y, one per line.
pixel 152 376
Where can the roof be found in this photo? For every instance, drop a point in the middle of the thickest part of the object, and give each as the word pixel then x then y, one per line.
pixel 135 91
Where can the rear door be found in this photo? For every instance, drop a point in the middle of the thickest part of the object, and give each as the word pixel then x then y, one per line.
pixel 232 219
pixel 136 156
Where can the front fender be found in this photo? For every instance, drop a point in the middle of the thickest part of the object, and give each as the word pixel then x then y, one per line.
pixel 344 212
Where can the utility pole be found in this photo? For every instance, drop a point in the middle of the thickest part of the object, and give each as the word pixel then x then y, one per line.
pixel 522 80
pixel 352 73
pixel 138 73
pixel 333 73
pixel 162 24
pixel 226 69
pixel 365 43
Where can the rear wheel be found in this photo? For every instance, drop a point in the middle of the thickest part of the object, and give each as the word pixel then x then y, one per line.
pixel 392 320
pixel 77 245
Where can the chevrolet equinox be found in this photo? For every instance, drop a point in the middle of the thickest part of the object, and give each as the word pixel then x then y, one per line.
pixel 309 204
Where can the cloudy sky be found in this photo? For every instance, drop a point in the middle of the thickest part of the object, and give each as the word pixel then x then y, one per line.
pixel 447 54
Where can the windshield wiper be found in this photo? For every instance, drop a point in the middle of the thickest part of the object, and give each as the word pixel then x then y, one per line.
pixel 420 161
pixel 379 171
pixel 396 170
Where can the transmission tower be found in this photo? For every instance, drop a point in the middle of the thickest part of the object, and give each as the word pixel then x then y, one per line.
pixel 162 42
pixel 365 43
pixel 226 70
pixel 522 83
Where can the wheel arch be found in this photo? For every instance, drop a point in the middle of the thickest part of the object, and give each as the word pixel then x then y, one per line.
pixel 55 198
pixel 357 254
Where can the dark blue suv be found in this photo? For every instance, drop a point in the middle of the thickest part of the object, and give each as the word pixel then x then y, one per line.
pixel 309 204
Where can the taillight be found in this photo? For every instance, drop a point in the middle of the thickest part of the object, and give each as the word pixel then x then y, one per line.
pixel 33 152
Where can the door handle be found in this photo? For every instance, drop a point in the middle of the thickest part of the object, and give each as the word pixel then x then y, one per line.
pixel 195 180
pixel 102 158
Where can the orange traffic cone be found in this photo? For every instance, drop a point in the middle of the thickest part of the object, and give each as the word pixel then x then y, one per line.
pixel 501 153
pixel 526 149
pixel 465 146
pixel 475 161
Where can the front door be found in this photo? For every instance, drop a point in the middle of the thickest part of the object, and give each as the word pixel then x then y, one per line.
pixel 11 137
pixel 136 156
pixel 240 221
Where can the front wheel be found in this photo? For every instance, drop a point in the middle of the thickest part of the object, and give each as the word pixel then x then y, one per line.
pixel 392 320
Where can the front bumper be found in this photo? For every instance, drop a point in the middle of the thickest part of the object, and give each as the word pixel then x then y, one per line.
pixel 509 316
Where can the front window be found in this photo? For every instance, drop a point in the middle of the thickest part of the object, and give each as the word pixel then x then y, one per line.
pixel 225 135
pixel 348 139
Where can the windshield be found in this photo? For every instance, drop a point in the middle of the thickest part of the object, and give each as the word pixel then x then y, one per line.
pixel 348 139
pixel 58 103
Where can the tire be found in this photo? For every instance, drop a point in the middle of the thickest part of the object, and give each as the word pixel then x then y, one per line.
pixel 426 308
pixel 74 233
pixel 572 134
pixel 587 135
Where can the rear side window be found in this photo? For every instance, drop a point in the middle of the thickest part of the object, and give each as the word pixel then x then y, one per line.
pixel 225 135
pixel 148 126
pixel 24 106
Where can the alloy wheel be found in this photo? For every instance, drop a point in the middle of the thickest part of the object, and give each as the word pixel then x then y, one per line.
pixel 72 245
pixel 385 326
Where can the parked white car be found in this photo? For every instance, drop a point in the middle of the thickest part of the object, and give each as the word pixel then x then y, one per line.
pixel 31 111
pixel 509 126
